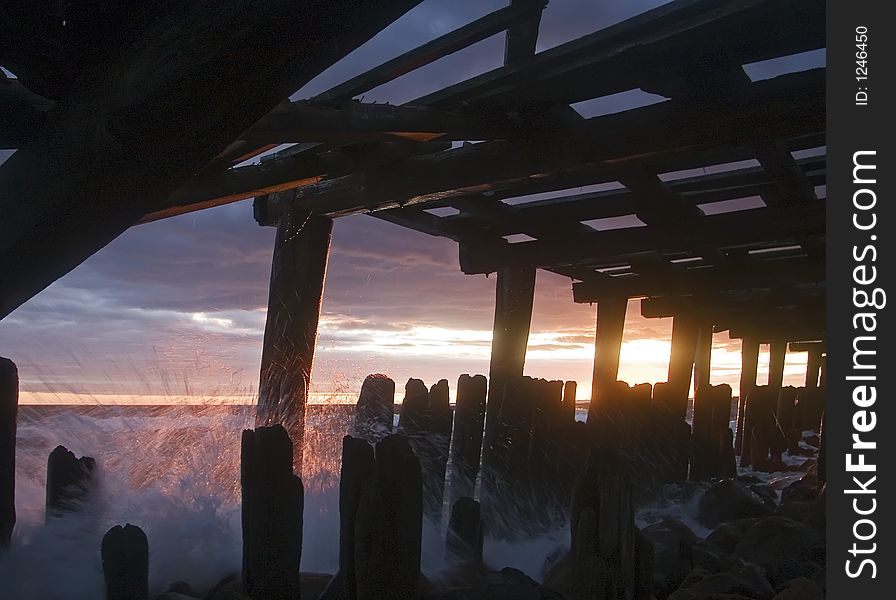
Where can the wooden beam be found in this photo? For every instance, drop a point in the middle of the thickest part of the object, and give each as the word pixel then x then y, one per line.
pixel 623 56
pixel 749 363
pixel 702 357
pixel 729 230
pixel 279 174
pixel 815 346
pixel 776 357
pixel 781 107
pixel 521 38
pixel 714 305
pixel 430 52
pixel 303 121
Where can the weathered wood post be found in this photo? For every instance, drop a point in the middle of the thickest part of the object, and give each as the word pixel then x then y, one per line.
pixel 125 556
pixel 777 354
pixel 681 362
pixel 9 406
pixel 702 357
pixel 465 534
pixel 426 422
pixel 749 363
pixel 357 468
pixel 786 415
pixel 466 436
pixel 68 481
pixel 290 334
pixel 607 344
pixel 389 525
pixel 375 411
pixel 569 402
pixel 608 559
pixel 273 500
pixel 514 293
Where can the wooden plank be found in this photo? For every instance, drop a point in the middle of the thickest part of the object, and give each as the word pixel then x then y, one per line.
pixel 430 52
pixel 714 305
pixel 521 38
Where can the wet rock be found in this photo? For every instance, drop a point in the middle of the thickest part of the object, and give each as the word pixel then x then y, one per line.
pixel 812 440
pixel 738 582
pixel 174 596
pixel 498 591
pixel 726 537
pixel 728 500
pixel 228 589
pixel 312 585
pixel 767 494
pixel 803 490
pixel 800 589
pixel 783 548
pixel 673 544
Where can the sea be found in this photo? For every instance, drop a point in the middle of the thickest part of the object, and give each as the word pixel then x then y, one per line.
pixel 173 470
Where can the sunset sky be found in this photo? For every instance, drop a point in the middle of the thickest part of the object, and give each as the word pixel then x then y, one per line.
pixel 175 310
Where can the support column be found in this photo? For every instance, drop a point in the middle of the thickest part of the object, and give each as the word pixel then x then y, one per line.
pixel 813 367
pixel 514 292
pixel 777 354
pixel 702 356
pixel 9 406
pixel 297 284
pixel 681 360
pixel 607 344
pixel 749 363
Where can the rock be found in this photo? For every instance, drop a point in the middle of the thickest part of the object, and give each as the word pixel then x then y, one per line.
pixel 181 587
pixel 800 589
pixel 726 537
pixel 728 500
pixel 228 589
pixel 311 585
pixel 783 548
pixel 739 582
pixel 803 490
pixel 796 510
pixel 174 596
pixel 812 440
pixel 498 591
pixel 673 544
pixel 767 494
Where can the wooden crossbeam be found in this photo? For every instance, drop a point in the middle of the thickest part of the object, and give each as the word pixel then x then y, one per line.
pixel 304 121
pixel 748 228
pixel 715 306
pixel 809 346
pixel 616 59
pixel 704 189
pixel 786 106
pixel 681 281
pixel 478 30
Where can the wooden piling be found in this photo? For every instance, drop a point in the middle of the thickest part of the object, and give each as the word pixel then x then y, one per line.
pixel 9 405
pixel 466 436
pixel 763 440
pixel 464 538
pixel 681 362
pixel 607 559
pixel 357 469
pixel 749 363
pixel 375 411
pixel 702 357
pixel 296 290
pixel 425 421
pixel 514 293
pixel 389 525
pixel 777 354
pixel 68 482
pixel 272 505
pixel 786 415
pixel 125 556
pixel 607 345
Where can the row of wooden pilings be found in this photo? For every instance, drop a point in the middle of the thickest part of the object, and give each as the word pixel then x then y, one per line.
pixel 533 468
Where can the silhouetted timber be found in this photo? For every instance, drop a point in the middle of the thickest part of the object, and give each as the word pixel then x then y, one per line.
pixel 125 555
pixel 273 502
pixel 463 540
pixel 375 411
pixel 9 405
pixel 69 481
pixel 466 436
